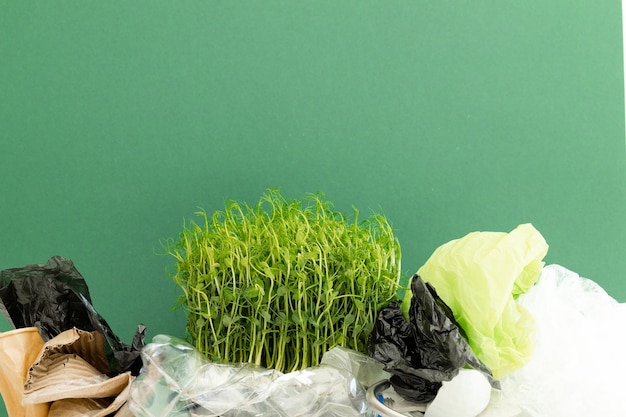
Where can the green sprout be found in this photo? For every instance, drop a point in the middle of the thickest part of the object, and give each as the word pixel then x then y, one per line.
pixel 280 283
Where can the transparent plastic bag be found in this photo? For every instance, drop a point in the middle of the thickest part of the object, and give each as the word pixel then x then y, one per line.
pixel 178 381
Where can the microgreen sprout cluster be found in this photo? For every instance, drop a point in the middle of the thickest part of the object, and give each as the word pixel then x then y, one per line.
pixel 281 282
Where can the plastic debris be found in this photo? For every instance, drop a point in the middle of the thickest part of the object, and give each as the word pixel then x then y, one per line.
pixel 178 381
pixel 54 297
pixel 80 367
pixel 576 368
pixel 426 349
pixel 479 276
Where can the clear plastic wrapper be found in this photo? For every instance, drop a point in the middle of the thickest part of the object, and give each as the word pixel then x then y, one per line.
pixel 367 370
pixel 178 381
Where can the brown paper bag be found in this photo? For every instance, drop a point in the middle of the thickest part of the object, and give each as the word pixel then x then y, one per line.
pixel 18 350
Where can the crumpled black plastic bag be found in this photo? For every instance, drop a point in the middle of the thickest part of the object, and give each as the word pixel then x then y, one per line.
pixel 54 297
pixel 424 351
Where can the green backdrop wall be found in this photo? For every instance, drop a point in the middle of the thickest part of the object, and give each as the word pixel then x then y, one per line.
pixel 118 120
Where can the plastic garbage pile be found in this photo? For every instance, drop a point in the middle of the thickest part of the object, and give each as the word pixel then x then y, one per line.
pixel 485 329
pixel 551 337
pixel 62 359
pixel 435 366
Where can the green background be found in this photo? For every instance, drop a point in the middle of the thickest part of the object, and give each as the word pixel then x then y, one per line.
pixel 118 120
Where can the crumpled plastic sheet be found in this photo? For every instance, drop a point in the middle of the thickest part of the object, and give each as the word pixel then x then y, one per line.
pixel 178 381
pixel 578 366
pixel 54 297
pixel 426 349
pixel 479 276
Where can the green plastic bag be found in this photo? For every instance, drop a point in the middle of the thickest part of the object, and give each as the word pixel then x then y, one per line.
pixel 479 276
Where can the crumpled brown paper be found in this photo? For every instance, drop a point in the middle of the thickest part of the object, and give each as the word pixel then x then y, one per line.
pixel 18 350
pixel 70 372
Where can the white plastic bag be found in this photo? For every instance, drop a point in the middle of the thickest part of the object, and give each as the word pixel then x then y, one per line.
pixel 578 366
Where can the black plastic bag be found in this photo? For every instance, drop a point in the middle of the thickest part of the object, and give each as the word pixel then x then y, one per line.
pixel 424 351
pixel 54 297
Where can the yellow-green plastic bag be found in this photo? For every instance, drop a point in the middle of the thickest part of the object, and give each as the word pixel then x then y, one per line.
pixel 479 276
